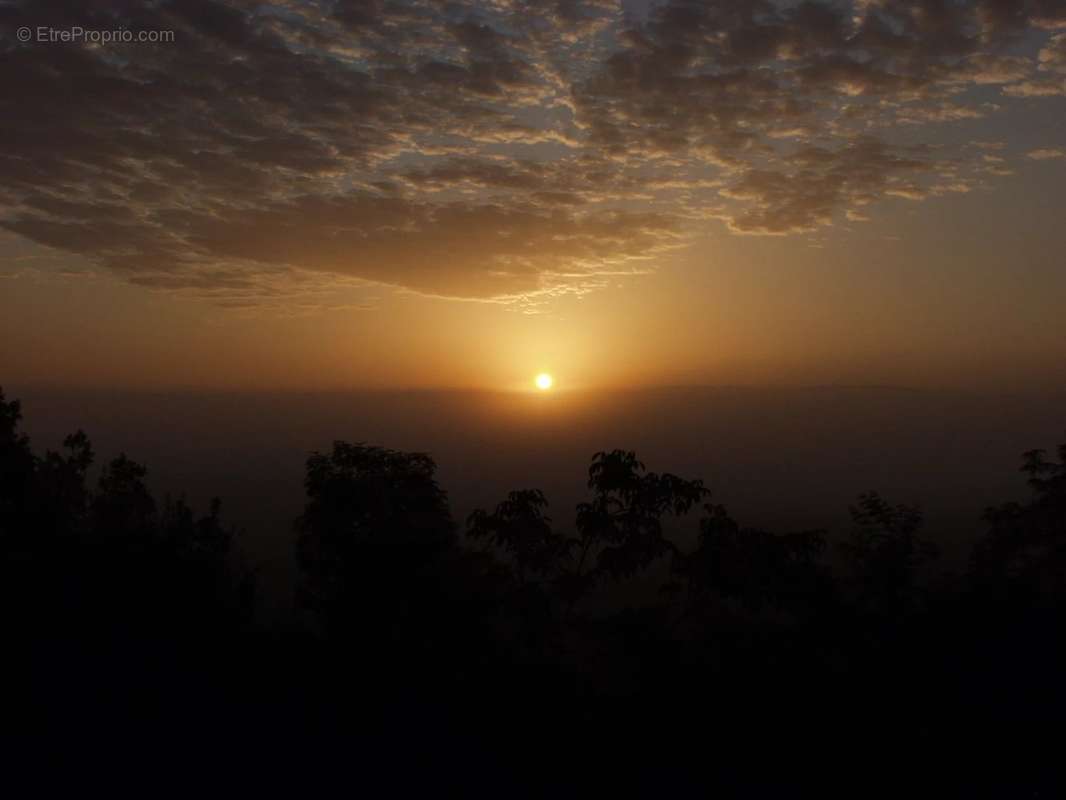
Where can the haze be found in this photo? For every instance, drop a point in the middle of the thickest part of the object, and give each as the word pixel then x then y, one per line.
pixel 787 459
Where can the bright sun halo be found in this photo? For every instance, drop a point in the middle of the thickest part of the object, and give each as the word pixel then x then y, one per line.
pixel 544 381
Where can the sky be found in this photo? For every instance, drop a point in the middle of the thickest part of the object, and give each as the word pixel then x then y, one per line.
pixel 338 195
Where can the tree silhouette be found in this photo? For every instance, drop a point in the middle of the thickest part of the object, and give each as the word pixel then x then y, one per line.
pixel 92 561
pixel 622 523
pixel 1025 548
pixel 521 530
pixel 121 608
pixel 374 525
pixel 61 483
pixel 382 568
pixel 536 560
pixel 122 506
pixel 16 472
pixel 750 566
pixel 885 552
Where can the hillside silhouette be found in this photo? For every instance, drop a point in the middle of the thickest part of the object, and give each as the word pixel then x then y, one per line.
pixel 524 651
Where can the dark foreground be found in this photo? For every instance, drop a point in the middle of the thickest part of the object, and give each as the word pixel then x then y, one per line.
pixel 525 657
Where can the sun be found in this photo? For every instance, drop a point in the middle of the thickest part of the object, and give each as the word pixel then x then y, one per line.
pixel 544 381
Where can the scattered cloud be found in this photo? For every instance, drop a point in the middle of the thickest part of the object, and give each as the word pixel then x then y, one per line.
pixel 1045 153
pixel 1049 87
pixel 505 151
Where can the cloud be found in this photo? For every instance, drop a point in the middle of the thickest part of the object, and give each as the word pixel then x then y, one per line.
pixel 1053 87
pixel 731 84
pixel 1048 14
pixel 1045 153
pixel 505 150
pixel 1052 56
pixel 823 182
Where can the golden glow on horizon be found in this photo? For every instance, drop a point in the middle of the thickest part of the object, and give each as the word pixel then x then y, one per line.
pixel 657 330
pixel 544 381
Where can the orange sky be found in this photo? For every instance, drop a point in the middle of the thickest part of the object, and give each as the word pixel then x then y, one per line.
pixel 677 193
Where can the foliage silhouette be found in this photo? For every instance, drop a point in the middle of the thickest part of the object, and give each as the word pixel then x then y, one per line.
pixel 383 570
pixel 373 517
pixel 521 530
pixel 622 523
pixel 104 560
pixel 527 656
pixel 1024 551
pixel 885 552
pixel 750 566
